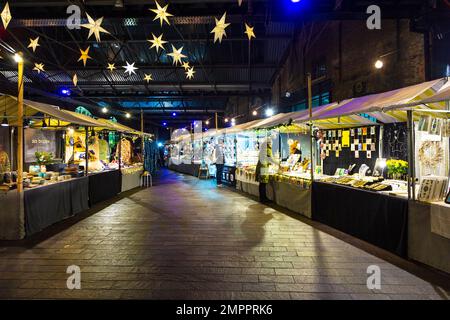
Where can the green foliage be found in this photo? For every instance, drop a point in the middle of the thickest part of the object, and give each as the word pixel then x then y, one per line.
pixel 43 157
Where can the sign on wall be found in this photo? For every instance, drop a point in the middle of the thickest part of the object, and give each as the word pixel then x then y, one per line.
pixel 39 140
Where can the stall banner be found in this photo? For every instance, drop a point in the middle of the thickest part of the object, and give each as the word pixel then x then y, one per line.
pixel 37 140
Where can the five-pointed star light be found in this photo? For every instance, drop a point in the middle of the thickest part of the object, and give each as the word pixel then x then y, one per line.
pixel 177 55
pixel 186 65
pixel 240 2
pixel 219 29
pixel 249 31
pixel 34 43
pixel 95 27
pixel 148 77
pixel 190 73
pixel 6 15
pixel 157 42
pixel 75 79
pixel 161 13
pixel 130 68
pixel 111 67
pixel 85 55
pixel 39 67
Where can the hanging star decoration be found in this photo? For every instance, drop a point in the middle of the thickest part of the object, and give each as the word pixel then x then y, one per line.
pixel 240 2
pixel 111 67
pixel 177 55
pixel 157 42
pixel 6 15
pixel 186 65
pixel 148 77
pixel 190 73
pixel 39 67
pixel 34 43
pixel 95 27
pixel 249 31
pixel 84 56
pixel 130 68
pixel 75 80
pixel 219 29
pixel 161 13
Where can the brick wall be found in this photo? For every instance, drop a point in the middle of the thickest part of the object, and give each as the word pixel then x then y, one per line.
pixel 348 50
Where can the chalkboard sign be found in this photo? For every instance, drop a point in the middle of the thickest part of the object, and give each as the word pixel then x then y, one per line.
pixel 39 140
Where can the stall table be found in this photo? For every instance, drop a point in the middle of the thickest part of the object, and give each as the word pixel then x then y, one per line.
pixel 190 169
pixel 290 196
pixel 48 204
pixel 104 186
pixel 131 180
pixel 374 217
pixel 429 234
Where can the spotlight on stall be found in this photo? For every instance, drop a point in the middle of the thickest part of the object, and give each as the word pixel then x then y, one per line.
pixel 379 64
pixel 18 58
pixel 226 120
pixel 64 92
pixel 269 112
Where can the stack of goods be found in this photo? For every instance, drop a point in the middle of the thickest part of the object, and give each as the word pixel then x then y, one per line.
pixel 433 188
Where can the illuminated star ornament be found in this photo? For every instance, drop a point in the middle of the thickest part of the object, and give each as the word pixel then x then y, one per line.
pixel 34 43
pixel 249 31
pixel 186 65
pixel 177 55
pixel 219 29
pixel 95 27
pixel 39 67
pixel 148 77
pixel 157 42
pixel 75 80
pixel 190 73
pixel 111 67
pixel 161 13
pixel 130 68
pixel 6 15
pixel 84 56
pixel 240 2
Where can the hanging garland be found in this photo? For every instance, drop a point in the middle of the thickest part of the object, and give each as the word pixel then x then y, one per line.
pixel 431 154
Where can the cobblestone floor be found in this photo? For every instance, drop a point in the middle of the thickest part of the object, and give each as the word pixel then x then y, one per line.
pixel 186 239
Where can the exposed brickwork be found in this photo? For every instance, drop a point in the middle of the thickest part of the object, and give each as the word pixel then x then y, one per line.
pixel 349 50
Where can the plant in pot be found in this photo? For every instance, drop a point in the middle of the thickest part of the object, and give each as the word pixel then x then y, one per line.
pixel 397 169
pixel 43 158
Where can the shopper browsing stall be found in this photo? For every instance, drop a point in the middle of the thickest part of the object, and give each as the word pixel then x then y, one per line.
pixel 262 168
pixel 219 160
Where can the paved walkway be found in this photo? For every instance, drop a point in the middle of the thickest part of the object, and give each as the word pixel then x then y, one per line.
pixel 185 239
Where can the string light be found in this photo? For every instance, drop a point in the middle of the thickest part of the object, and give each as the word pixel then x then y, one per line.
pixel 379 64
pixel 255 113
pixel 128 115
pixel 104 109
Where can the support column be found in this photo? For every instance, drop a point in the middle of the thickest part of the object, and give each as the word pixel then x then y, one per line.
pixel 20 123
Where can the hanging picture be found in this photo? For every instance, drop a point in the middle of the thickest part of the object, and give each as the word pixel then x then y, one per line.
pixel 352 147
pixel 357 154
pixel 340 133
pixel 340 147
pixel 373 147
pixel 424 123
pixel 364 131
pixel 345 138
pixel 369 141
pixel 352 132
pixel 356 141
pixel 364 147
pixel 360 147
pixel 435 127
pixel 372 131
pixel 369 155
pixel 359 131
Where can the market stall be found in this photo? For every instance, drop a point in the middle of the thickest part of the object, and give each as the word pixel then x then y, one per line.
pixel 66 162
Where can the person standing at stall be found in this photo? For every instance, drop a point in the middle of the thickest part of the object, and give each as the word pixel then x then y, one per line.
pixel 265 159
pixel 219 160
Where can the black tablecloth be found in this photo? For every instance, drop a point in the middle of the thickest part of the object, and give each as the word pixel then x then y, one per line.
pixel 47 205
pixel 104 186
pixel 190 169
pixel 373 217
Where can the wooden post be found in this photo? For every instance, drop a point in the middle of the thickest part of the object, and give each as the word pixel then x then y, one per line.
pixel 120 150
pixel 20 124
pixel 142 134
pixel 311 132
pixel 86 169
